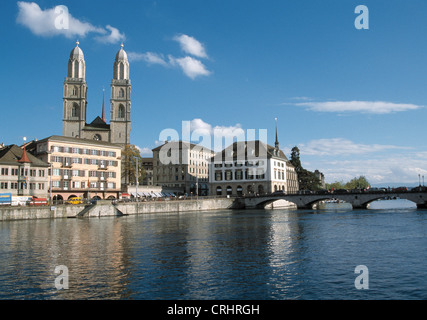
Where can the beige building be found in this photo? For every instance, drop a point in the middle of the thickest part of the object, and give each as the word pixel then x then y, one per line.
pixel 182 166
pixel 81 167
pixel 75 102
pixel 22 174
pixel 251 168
pixel 147 164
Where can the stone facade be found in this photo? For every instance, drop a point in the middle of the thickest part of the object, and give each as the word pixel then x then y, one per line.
pixel 75 102
pixel 182 165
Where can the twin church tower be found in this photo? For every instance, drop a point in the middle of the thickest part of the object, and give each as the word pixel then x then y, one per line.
pixel 75 102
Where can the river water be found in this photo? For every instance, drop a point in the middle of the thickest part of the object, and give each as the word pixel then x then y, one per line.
pixel 245 255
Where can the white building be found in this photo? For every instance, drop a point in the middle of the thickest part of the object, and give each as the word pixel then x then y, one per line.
pixel 250 168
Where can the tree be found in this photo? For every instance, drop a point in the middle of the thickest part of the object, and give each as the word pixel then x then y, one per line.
pixel 307 179
pixel 358 183
pixel 295 158
pixel 355 183
pixel 130 157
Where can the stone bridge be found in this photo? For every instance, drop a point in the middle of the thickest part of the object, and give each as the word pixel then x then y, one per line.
pixel 358 200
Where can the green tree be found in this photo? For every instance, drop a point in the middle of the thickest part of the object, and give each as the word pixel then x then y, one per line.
pixel 130 157
pixel 357 183
pixel 295 159
pixel 307 179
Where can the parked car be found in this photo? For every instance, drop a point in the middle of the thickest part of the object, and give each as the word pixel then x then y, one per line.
pixel 75 200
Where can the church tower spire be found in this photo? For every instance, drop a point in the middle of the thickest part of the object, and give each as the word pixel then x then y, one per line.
pixel 276 144
pixel 75 95
pixel 120 122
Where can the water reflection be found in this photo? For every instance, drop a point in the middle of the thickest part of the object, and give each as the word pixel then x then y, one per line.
pixel 272 254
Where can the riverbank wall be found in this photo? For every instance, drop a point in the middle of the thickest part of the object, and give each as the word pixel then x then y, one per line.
pixel 106 208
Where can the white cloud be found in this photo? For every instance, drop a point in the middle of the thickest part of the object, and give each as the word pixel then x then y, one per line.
pixel 342 160
pixel 373 107
pixel 191 46
pixel 58 22
pixel 145 152
pixel 149 57
pixel 114 37
pixel 396 169
pixel 191 67
pixel 215 137
pixel 340 146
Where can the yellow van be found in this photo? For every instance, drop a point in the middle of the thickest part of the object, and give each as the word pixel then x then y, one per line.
pixel 75 200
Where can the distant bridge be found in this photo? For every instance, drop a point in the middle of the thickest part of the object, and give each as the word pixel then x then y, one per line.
pixel 358 200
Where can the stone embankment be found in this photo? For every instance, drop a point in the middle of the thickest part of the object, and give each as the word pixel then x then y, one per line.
pixel 106 208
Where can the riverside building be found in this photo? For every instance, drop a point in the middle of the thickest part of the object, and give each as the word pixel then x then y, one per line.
pixel 81 167
pixel 22 174
pixel 251 168
pixel 182 167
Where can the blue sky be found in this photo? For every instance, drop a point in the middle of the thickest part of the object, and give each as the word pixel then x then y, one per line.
pixel 352 100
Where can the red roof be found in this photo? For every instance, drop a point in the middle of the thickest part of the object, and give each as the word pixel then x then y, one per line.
pixel 24 158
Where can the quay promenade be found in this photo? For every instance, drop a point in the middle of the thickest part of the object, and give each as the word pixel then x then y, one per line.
pixel 103 208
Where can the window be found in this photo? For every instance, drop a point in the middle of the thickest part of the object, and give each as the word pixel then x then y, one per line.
pixel 75 111
pixel 228 175
pixel 4 171
pixel 218 175
pixel 55 184
pixel 121 112
pixel 239 175
pixel 121 93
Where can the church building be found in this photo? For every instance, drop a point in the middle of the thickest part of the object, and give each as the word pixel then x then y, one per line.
pixel 75 124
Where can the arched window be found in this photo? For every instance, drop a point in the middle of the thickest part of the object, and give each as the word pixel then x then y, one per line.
pixel 121 112
pixel 121 71
pixel 75 90
pixel 121 93
pixel 75 111
pixel 76 69
pixel 218 191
